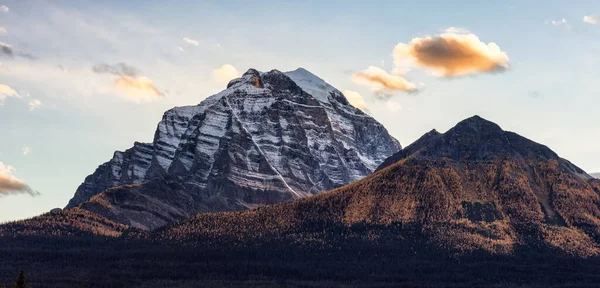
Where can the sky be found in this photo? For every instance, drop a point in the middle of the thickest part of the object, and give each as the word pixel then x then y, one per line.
pixel 81 79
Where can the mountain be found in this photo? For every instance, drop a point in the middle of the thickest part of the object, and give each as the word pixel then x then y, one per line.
pixel 267 138
pixel 474 188
pixel 596 175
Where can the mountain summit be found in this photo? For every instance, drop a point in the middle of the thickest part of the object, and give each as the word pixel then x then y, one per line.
pixel 269 137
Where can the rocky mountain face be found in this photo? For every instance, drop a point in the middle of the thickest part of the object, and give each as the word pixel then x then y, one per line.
pixel 473 188
pixel 267 138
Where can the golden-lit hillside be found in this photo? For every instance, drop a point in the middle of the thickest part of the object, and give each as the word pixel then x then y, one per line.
pixel 70 222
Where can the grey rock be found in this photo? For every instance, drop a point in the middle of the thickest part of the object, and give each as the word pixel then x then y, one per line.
pixel 267 138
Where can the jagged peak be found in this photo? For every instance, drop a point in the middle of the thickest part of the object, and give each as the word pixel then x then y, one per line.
pixel 252 77
pixel 251 72
pixel 477 123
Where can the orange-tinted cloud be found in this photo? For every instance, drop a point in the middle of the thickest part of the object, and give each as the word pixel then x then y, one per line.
pixel 6 91
pixel 138 88
pixel 379 80
pixel 356 100
pixel 130 82
pixel 452 54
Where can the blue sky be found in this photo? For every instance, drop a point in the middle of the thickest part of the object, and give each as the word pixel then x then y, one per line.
pixel 550 93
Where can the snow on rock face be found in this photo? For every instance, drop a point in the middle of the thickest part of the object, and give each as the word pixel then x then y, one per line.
pixel 267 138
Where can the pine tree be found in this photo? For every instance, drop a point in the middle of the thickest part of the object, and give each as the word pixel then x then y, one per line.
pixel 21 280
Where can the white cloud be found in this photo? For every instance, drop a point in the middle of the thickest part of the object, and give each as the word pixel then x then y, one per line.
pixel 4 9
pixel 34 104
pixel 379 80
pixel 225 74
pixel 191 41
pixel 457 30
pixel 9 184
pixel 356 100
pixel 591 19
pixel 6 91
pixel 26 150
pixel 180 49
pixel 3 30
pixel 393 106
pixel 560 23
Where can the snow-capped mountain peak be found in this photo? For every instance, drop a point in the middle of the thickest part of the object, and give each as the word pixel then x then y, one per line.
pixel 268 137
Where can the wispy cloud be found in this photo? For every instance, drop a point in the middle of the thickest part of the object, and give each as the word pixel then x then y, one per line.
pixel 451 55
pixel 592 19
pixel 26 150
pixel 130 81
pixel 6 50
pixel 180 49
pixel 6 91
pixel 356 100
pixel 457 30
pixel 34 104
pixel 560 23
pixel 9 184
pixel 4 9
pixel 3 30
pixel 191 41
pixel 225 74
pixel 380 80
pixel 120 69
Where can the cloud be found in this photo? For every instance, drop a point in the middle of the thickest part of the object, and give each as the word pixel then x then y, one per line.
pixel 180 49
pixel 130 82
pixel 356 100
pixel 393 106
pixel 4 9
pixel 456 30
pixel 6 91
pixel 138 88
pixel 379 80
pixel 451 55
pixel 26 150
pixel 191 41
pixel 6 49
pixel 3 30
pixel 34 104
pixel 9 184
pixel 120 69
pixel 225 73
pixel 591 19
pixel 560 23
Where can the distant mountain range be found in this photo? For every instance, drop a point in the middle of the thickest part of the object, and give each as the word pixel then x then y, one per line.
pixel 596 175
pixel 267 138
